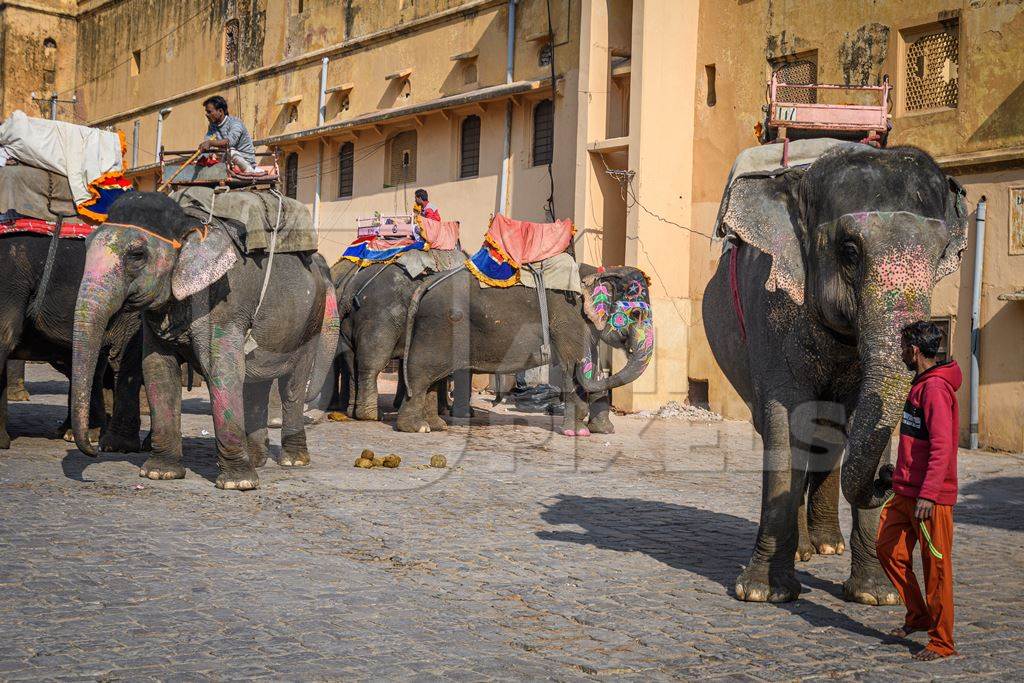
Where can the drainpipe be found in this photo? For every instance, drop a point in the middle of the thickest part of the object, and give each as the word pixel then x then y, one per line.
pixel 321 114
pixel 135 143
pixel 161 115
pixel 506 160
pixel 979 261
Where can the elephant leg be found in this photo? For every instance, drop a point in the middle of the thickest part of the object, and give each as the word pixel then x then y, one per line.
pixel 163 391
pixel 770 575
pixel 368 367
pixel 226 382
pixel 867 584
pixel 256 398
pixel 461 408
pixel 294 451
pixel 16 390
pixel 122 432
pixel 600 408
pixel 804 549
pixel 823 512
pixel 432 403
pixel 97 410
pixel 575 416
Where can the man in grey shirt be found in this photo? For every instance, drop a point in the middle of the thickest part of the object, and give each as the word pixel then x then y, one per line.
pixel 228 133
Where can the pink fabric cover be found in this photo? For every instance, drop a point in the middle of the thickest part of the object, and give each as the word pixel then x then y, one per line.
pixel 440 234
pixel 526 242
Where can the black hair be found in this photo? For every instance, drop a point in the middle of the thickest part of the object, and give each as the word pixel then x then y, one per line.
pixel 218 102
pixel 422 194
pixel 924 335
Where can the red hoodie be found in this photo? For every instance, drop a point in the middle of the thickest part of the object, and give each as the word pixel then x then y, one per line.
pixel 929 434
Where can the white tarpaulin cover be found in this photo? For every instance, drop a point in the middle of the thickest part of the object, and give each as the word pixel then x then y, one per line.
pixel 81 153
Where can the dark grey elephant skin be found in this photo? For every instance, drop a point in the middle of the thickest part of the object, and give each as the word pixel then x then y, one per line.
pixel 830 263
pixel 373 304
pixel 199 295
pixel 47 335
pixel 455 324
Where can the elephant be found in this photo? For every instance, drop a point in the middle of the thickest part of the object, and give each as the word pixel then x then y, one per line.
pixel 43 331
pixel 453 324
pixel 16 390
pixel 825 265
pixel 373 303
pixel 201 301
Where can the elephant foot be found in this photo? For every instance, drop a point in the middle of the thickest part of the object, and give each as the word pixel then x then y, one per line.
pixel 112 442
pixel 462 412
pixel 804 551
pixel 239 478
pixel 69 435
pixel 757 583
pixel 294 459
pixel 436 424
pixel 601 426
pixel 412 425
pixel 368 413
pixel 258 454
pixel 274 423
pixel 162 467
pixel 5 440
pixel 828 541
pixel 583 431
pixel 870 588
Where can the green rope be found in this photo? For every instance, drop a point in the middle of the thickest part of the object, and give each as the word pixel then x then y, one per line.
pixel 928 537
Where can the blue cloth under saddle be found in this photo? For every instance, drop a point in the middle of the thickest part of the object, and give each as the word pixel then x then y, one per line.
pixel 369 252
pixel 491 267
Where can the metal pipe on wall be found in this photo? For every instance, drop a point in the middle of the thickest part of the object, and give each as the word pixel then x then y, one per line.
pixel 321 115
pixel 135 143
pixel 506 159
pixel 979 263
pixel 161 115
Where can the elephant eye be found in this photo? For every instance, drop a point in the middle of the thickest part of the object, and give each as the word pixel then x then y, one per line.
pixel 849 252
pixel 136 256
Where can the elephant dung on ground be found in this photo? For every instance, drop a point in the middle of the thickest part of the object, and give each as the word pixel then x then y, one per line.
pixel 43 331
pixel 826 264
pixel 455 324
pixel 201 298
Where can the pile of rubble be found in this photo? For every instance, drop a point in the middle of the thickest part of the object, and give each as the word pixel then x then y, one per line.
pixel 679 411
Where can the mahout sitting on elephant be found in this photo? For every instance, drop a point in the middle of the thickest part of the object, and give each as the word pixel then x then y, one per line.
pixel 203 301
pixel 824 266
pixel 454 324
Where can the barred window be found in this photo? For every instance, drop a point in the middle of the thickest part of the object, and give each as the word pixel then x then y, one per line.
pixel 469 166
pixel 799 70
pixel 402 155
pixel 291 175
pixel 231 41
pixel 346 169
pixel 543 132
pixel 932 61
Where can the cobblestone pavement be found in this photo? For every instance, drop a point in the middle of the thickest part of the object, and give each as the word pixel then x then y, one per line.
pixel 531 556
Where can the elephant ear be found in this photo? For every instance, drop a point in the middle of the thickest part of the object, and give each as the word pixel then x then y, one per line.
pixel 598 298
pixel 956 223
pixel 205 257
pixel 764 212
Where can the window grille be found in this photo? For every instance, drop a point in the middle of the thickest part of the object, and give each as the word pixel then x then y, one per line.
pixel 291 175
pixel 932 61
pixel 543 132
pixel 402 167
pixel 346 169
pixel 798 72
pixel 469 166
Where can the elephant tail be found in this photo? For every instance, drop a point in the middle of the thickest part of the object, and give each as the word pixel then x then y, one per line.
pixel 327 346
pixel 410 316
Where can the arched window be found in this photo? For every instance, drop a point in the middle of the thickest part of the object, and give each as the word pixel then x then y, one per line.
pixel 291 175
pixel 49 61
pixel 469 158
pixel 402 159
pixel 543 132
pixel 346 169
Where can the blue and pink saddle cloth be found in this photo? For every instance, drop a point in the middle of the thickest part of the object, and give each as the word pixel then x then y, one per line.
pixel 378 246
pixel 510 245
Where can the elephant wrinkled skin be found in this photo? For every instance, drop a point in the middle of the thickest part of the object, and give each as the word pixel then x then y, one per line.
pixel 829 263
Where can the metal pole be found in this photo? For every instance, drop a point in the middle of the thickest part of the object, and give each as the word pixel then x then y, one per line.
pixel 506 160
pixel 161 115
pixel 979 262
pixel 321 115
pixel 135 143
pixel 53 107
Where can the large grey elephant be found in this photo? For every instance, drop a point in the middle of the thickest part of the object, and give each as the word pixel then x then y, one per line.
pixel 455 324
pixel 373 303
pixel 200 296
pixel 827 263
pixel 37 323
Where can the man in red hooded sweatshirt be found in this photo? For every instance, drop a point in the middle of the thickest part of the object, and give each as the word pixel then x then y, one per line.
pixel 924 490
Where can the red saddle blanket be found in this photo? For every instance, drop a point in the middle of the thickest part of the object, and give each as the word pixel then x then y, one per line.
pixel 68 230
pixel 525 242
pixel 442 235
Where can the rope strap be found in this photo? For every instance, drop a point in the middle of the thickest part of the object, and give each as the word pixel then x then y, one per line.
pixel 250 342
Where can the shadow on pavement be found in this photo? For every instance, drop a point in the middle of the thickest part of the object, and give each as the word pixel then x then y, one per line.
pixel 199 455
pixel 997 503
pixel 714 545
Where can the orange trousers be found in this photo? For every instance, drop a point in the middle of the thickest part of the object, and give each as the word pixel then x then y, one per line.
pixel 898 532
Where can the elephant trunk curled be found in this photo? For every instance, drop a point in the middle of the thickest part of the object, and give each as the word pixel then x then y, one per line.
pixel 640 348
pixel 100 295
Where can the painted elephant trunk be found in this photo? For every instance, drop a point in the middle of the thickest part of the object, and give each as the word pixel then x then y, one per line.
pixel 640 349
pixel 99 296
